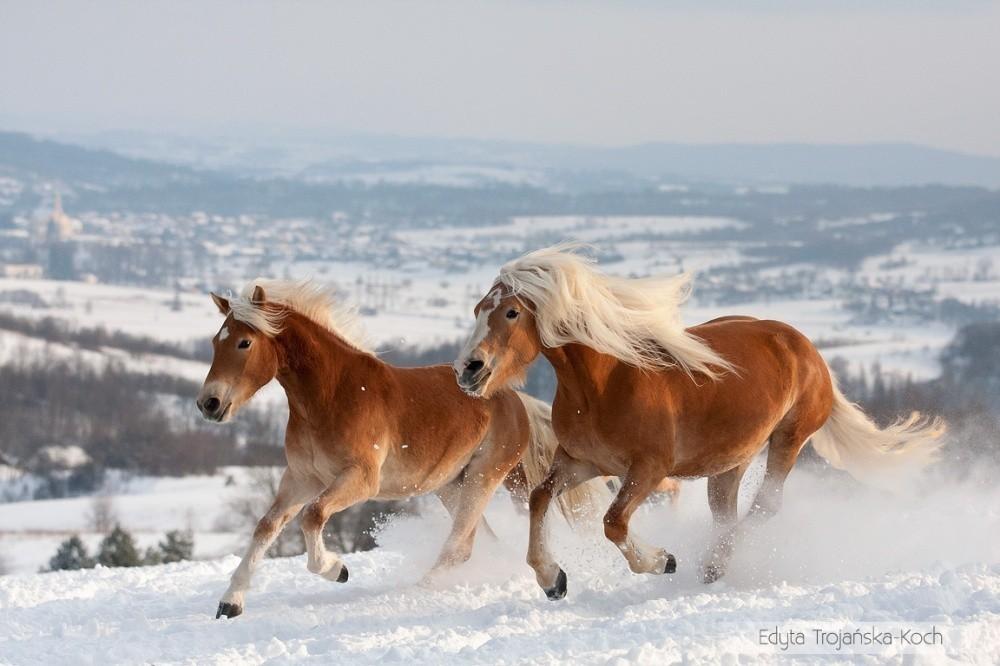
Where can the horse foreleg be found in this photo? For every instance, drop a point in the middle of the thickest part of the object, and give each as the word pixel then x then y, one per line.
pixel 723 492
pixel 292 494
pixel 636 486
pixel 564 474
pixel 355 484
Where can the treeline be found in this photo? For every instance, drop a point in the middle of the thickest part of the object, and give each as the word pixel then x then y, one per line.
pixel 99 338
pixel 966 394
pixel 143 423
pixel 118 549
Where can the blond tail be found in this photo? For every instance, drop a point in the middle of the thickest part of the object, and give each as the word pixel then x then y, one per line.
pixel 882 457
pixel 587 499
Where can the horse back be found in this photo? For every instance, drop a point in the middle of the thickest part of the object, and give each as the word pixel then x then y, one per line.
pixel 697 424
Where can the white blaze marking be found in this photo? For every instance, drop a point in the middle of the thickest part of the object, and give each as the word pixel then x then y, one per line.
pixel 482 328
pixel 223 333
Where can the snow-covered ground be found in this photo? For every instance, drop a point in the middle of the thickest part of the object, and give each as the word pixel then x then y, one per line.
pixel 838 557
pixel 30 531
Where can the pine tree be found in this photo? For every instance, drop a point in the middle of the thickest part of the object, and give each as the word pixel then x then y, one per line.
pixel 71 555
pixel 178 546
pixel 118 550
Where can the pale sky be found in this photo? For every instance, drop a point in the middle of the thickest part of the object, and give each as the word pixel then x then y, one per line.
pixel 583 72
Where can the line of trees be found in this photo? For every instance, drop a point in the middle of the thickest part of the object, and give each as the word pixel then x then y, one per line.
pixel 966 394
pixel 140 423
pixel 118 549
pixel 52 329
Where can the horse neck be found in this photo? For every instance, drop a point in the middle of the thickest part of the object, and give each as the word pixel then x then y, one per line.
pixel 580 370
pixel 312 363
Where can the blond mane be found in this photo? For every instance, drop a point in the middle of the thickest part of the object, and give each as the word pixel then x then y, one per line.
pixel 635 320
pixel 310 299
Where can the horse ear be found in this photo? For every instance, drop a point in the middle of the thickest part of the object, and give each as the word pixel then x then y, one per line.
pixel 221 303
pixel 258 297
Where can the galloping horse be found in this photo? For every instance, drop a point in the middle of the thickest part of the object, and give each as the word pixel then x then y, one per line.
pixel 361 429
pixel 643 398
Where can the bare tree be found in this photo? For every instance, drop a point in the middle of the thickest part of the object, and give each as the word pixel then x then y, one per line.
pixel 102 516
pixel 347 531
pixel 248 507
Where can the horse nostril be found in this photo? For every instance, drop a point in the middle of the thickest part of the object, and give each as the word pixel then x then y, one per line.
pixel 473 366
pixel 211 405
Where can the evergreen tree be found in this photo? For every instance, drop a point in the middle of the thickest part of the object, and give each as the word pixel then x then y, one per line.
pixel 71 555
pixel 179 545
pixel 152 556
pixel 118 550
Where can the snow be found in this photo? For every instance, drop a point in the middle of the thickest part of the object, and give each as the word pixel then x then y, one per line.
pixel 137 311
pixel 65 457
pixel 30 531
pixel 837 557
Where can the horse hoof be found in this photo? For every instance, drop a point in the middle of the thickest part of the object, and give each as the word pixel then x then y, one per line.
pixel 557 591
pixel 711 573
pixel 342 576
pixel 671 565
pixel 228 610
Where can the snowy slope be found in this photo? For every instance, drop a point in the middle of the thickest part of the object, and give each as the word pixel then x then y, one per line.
pixel 837 557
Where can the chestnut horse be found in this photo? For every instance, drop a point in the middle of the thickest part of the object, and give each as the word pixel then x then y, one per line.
pixel 361 429
pixel 641 397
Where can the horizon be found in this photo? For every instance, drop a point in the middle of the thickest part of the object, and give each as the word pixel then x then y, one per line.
pixel 71 137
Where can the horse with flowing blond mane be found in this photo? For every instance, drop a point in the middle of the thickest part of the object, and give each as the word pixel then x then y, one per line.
pixel 641 397
pixel 361 429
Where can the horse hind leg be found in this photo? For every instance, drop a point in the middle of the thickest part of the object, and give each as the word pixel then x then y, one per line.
pixel 450 495
pixel 467 498
pixel 516 483
pixel 723 493
pixel 783 450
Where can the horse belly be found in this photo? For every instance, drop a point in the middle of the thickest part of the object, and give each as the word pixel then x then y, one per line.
pixel 412 469
pixel 586 444
pixel 708 451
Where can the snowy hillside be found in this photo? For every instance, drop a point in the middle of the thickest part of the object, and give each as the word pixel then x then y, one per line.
pixel 838 557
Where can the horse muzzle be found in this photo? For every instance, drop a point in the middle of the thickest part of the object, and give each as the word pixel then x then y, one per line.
pixel 213 409
pixel 473 377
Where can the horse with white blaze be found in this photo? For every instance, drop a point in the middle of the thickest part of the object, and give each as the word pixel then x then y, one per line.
pixel 643 398
pixel 359 428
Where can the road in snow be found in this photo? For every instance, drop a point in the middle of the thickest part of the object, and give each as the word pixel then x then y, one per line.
pixel 838 556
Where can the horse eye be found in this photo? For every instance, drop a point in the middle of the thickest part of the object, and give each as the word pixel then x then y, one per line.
pixel 512 314
pixel 244 344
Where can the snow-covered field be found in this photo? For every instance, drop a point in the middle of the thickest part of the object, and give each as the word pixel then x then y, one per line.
pixel 838 558
pixel 30 531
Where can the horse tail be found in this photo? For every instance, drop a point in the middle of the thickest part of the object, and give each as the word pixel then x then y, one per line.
pixel 576 505
pixel 850 440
